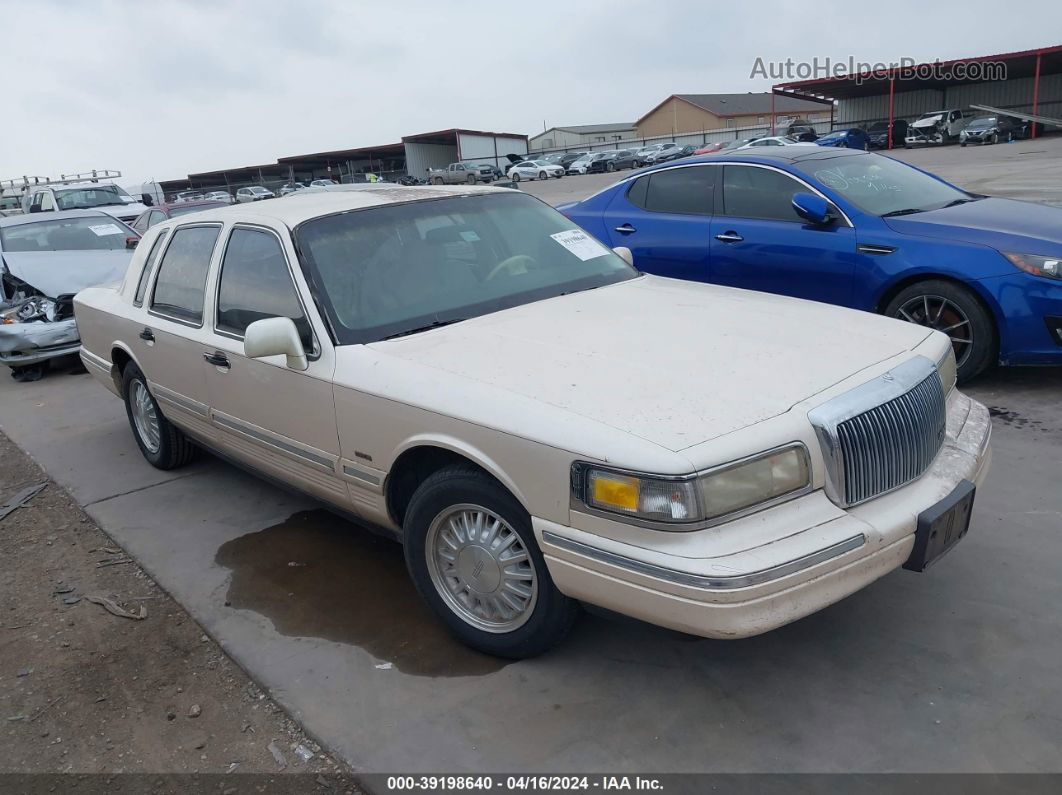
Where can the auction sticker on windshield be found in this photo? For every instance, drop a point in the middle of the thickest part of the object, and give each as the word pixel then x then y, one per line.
pixel 101 230
pixel 580 244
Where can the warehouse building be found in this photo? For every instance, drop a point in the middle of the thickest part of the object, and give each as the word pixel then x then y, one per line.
pixel 691 113
pixel 1032 85
pixel 413 155
pixel 582 135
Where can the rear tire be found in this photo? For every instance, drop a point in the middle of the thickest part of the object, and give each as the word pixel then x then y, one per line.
pixel 166 448
pixel 954 310
pixel 436 181
pixel 509 608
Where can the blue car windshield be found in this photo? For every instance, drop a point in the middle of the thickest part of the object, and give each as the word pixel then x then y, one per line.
pixel 882 186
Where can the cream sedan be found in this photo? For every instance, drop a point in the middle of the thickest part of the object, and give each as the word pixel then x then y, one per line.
pixel 538 422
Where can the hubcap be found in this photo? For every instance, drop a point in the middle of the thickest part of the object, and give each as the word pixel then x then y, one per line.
pixel 939 313
pixel 145 416
pixel 481 568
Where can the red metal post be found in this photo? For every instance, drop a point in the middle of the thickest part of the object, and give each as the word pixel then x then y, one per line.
pixel 892 86
pixel 1036 92
pixel 772 111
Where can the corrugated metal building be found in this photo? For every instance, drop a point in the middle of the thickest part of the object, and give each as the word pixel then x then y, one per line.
pixel 1032 84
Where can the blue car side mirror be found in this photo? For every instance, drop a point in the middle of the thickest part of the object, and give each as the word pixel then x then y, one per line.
pixel 813 209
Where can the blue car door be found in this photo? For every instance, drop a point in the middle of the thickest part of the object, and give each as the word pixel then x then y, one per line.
pixel 758 242
pixel 664 218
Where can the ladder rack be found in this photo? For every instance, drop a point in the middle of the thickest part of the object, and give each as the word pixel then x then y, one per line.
pixel 64 179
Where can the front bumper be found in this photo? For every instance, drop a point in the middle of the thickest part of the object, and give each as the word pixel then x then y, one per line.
pixel 815 563
pixel 23 344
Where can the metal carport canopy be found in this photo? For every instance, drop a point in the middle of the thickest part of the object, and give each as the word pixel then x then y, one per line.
pixel 1026 63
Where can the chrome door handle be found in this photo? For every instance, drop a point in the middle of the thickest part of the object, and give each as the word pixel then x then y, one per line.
pixel 730 237
pixel 147 335
pixel 218 359
pixel 626 229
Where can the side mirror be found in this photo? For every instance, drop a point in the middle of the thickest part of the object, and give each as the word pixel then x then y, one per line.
pixel 275 336
pixel 813 209
pixel 146 200
pixel 625 254
pixel 130 242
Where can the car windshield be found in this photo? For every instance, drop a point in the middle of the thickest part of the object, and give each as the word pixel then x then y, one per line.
pixel 195 208
pixel 396 269
pixel 92 196
pixel 87 233
pixel 982 123
pixel 834 135
pixel 883 186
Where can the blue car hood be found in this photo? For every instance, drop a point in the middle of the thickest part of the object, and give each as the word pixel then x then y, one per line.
pixel 1002 224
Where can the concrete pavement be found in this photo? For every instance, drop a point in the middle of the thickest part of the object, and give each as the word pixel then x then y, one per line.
pixel 952 670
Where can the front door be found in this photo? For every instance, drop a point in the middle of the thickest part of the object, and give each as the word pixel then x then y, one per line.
pixel 664 218
pixel 758 242
pixel 276 419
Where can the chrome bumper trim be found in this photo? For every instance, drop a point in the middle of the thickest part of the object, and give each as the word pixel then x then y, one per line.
pixel 700 580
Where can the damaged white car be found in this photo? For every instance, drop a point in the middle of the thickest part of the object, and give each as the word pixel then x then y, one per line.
pixel 45 261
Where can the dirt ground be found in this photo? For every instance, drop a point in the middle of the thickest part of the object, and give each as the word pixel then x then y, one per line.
pixel 85 691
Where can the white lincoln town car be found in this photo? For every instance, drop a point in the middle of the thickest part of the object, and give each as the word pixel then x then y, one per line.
pixel 539 423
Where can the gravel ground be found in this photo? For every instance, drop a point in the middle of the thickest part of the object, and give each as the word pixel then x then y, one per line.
pixel 83 690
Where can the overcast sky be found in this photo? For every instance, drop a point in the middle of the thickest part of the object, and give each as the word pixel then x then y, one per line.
pixel 158 89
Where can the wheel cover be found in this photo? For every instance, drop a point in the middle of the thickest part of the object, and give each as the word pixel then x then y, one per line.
pixel 481 568
pixel 145 416
pixel 937 312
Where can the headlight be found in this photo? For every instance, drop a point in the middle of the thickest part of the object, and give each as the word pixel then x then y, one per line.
pixel 687 503
pixel 947 369
pixel 1051 267
pixel 35 308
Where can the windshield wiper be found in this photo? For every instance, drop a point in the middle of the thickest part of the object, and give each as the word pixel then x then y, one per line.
pixel 905 211
pixel 418 329
pixel 957 202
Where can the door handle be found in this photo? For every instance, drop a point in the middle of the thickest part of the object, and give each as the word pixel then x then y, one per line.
pixel 730 236
pixel 147 335
pixel 626 229
pixel 217 358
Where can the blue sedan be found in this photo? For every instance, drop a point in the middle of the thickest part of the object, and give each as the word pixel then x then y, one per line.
pixel 850 228
pixel 854 138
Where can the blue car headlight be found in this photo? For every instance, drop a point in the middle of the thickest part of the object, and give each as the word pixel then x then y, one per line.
pixel 1049 267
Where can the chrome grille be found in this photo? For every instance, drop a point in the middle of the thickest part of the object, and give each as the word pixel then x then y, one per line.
pixel 892 444
pixel 882 434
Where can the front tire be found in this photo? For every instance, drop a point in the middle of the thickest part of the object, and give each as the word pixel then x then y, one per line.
pixel 955 311
pixel 473 557
pixel 543 175
pixel 162 444
pixel 516 176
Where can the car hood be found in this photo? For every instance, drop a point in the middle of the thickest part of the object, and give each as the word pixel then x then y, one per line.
pixel 672 362
pixel 56 273
pixel 930 122
pixel 1002 224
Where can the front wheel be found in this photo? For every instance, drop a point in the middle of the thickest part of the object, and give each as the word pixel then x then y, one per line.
pixel 543 175
pixel 952 309
pixel 516 176
pixel 472 555
pixel 610 167
pixel 163 445
pixel 471 179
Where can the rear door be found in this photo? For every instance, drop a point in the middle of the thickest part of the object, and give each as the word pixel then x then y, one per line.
pixel 758 242
pixel 664 218
pixel 171 345
pixel 279 420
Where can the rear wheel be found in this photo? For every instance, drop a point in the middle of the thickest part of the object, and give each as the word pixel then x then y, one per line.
pixel 953 310
pixel 472 554
pixel 163 445
pixel 436 181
